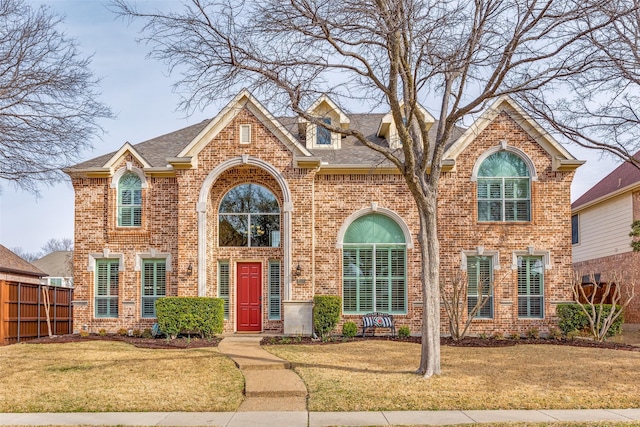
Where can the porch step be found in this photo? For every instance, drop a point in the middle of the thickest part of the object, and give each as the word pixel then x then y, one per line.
pixel 273 383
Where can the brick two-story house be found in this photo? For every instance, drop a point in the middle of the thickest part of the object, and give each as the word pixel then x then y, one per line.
pixel 267 212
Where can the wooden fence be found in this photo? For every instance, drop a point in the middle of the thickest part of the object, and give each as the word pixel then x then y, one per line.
pixel 23 313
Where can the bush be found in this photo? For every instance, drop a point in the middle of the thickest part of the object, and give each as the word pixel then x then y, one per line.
pixel 190 315
pixel 555 334
pixel 349 329
pixel 146 333
pixel 533 333
pixel 404 332
pixel 122 332
pixel 326 313
pixel 102 332
pixel 572 318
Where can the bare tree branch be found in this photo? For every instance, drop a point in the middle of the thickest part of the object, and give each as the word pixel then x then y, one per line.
pixel 48 99
pixel 459 54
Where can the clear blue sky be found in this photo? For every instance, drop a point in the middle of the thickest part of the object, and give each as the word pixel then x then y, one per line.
pixel 139 92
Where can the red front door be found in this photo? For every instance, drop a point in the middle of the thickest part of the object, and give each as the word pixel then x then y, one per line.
pixel 249 297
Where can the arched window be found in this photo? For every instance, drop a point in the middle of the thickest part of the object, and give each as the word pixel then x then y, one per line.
pixel 374 276
pixel 249 215
pixel 504 184
pixel 129 200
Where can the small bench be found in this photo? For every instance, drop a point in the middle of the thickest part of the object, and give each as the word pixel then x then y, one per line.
pixel 378 320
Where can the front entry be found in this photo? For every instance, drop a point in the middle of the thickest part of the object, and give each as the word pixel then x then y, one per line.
pixel 249 297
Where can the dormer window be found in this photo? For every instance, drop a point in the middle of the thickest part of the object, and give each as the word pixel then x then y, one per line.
pixel 324 111
pixel 323 135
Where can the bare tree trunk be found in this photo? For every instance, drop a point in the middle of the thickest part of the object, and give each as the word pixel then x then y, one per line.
pixel 430 277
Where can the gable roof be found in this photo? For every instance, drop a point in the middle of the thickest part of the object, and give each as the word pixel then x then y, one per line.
pixel 127 147
pixel 242 100
pixel 12 263
pixel 56 264
pixel 179 149
pixel 625 177
pixel 562 159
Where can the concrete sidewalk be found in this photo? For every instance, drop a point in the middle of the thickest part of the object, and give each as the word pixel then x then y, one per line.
pixel 317 419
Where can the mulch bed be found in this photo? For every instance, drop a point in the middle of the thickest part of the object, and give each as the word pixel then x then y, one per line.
pixel 184 342
pixel 466 342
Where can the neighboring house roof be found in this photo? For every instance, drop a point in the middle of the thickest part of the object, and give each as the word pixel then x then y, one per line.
pixel 12 263
pixel 56 264
pixel 179 149
pixel 624 178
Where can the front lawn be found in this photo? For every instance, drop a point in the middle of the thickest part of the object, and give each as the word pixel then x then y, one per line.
pixel 102 376
pixel 379 375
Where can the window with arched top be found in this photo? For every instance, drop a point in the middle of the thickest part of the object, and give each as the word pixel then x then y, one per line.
pixel 374 272
pixel 130 200
pixel 249 215
pixel 504 188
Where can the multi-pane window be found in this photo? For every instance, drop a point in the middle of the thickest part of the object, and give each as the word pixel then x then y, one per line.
pixel 223 285
pixel 504 188
pixel 530 286
pixel 106 297
pixel 480 285
pixel 324 135
pixel 55 281
pixel 154 284
pixel 374 263
pixel 249 215
pixel 130 200
pixel 274 290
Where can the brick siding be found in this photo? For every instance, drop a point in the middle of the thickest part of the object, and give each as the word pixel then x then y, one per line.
pixel 322 203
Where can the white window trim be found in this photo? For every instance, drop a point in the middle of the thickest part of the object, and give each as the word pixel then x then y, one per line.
pixel 531 251
pixel 106 254
pixel 240 134
pixel 152 254
pixel 312 139
pixel 374 208
pixel 479 251
pixel 533 175
pixel 115 179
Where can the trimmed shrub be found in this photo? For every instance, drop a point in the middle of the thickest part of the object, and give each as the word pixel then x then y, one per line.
pixel 349 329
pixel 326 313
pixel 404 332
pixel 572 318
pixel 190 315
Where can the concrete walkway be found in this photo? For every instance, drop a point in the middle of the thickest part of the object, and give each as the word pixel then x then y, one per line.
pixel 276 396
pixel 269 383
